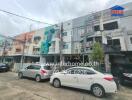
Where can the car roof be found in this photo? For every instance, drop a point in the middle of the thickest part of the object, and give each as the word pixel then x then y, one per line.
pixel 83 67
pixel 40 64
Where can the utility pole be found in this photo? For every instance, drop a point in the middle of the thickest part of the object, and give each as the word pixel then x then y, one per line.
pixel 4 49
pixel 104 42
pixel 89 30
pixel 23 50
pixel 84 41
pixel 61 45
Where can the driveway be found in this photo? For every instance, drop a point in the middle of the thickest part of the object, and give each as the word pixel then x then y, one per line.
pixel 12 88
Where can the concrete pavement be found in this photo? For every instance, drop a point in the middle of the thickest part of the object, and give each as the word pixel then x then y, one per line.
pixel 12 88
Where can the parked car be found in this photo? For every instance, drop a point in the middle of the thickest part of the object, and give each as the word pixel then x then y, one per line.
pixel 85 78
pixel 4 67
pixel 37 71
pixel 125 74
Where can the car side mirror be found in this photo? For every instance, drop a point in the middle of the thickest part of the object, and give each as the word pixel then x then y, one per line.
pixel 64 72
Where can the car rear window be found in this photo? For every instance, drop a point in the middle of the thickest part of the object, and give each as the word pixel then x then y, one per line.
pixel 47 67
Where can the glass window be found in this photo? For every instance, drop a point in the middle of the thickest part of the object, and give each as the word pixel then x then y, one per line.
pixel 109 42
pixel 47 67
pixel 88 72
pixel 30 67
pixel 131 40
pixel 97 28
pixel 36 67
pixel 70 71
pixel 116 42
pixel 65 45
pixel 80 71
pixel 77 71
pixel 111 26
pixel 83 71
pixel 64 33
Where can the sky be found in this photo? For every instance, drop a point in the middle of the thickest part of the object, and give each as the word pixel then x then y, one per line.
pixel 49 11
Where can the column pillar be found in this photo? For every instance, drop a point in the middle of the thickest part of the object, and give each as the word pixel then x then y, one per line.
pixel 107 63
pixel 62 60
pixel 55 59
pixel 42 59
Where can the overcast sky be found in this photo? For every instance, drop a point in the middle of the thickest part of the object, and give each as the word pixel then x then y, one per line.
pixel 49 11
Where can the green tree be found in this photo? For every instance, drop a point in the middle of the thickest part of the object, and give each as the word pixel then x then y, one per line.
pixel 97 53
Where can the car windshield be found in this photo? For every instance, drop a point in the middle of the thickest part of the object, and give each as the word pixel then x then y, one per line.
pixel 47 67
pixel 128 70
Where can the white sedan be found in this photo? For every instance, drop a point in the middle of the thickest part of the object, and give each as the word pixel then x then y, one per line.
pixel 85 78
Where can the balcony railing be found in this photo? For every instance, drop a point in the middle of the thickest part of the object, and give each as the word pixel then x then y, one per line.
pixel 111 49
pixel 106 48
pixel 36 52
pixel 52 50
pixel 20 52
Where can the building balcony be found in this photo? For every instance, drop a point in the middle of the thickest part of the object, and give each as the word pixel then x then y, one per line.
pixel 36 52
pixel 51 50
pixel 19 52
pixel 77 51
pixel 111 49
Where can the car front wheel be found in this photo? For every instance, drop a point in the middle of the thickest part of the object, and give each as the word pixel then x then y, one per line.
pixel 98 91
pixel 56 83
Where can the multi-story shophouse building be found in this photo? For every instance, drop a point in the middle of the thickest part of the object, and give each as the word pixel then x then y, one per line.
pixel 74 39
pixel 21 48
pixel 116 34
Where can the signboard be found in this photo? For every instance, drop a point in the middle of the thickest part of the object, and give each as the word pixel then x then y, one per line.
pixel 117 11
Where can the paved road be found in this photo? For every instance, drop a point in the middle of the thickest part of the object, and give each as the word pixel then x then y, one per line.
pixel 12 88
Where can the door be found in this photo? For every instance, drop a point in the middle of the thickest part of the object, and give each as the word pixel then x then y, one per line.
pixel 35 70
pixel 85 78
pixel 69 78
pixel 27 71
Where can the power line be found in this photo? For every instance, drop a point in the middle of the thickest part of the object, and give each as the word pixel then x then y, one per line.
pixel 23 17
pixel 11 38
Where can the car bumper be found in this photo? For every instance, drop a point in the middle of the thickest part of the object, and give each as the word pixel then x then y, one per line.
pixel 45 76
pixel 111 87
pixel 51 80
pixel 3 69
